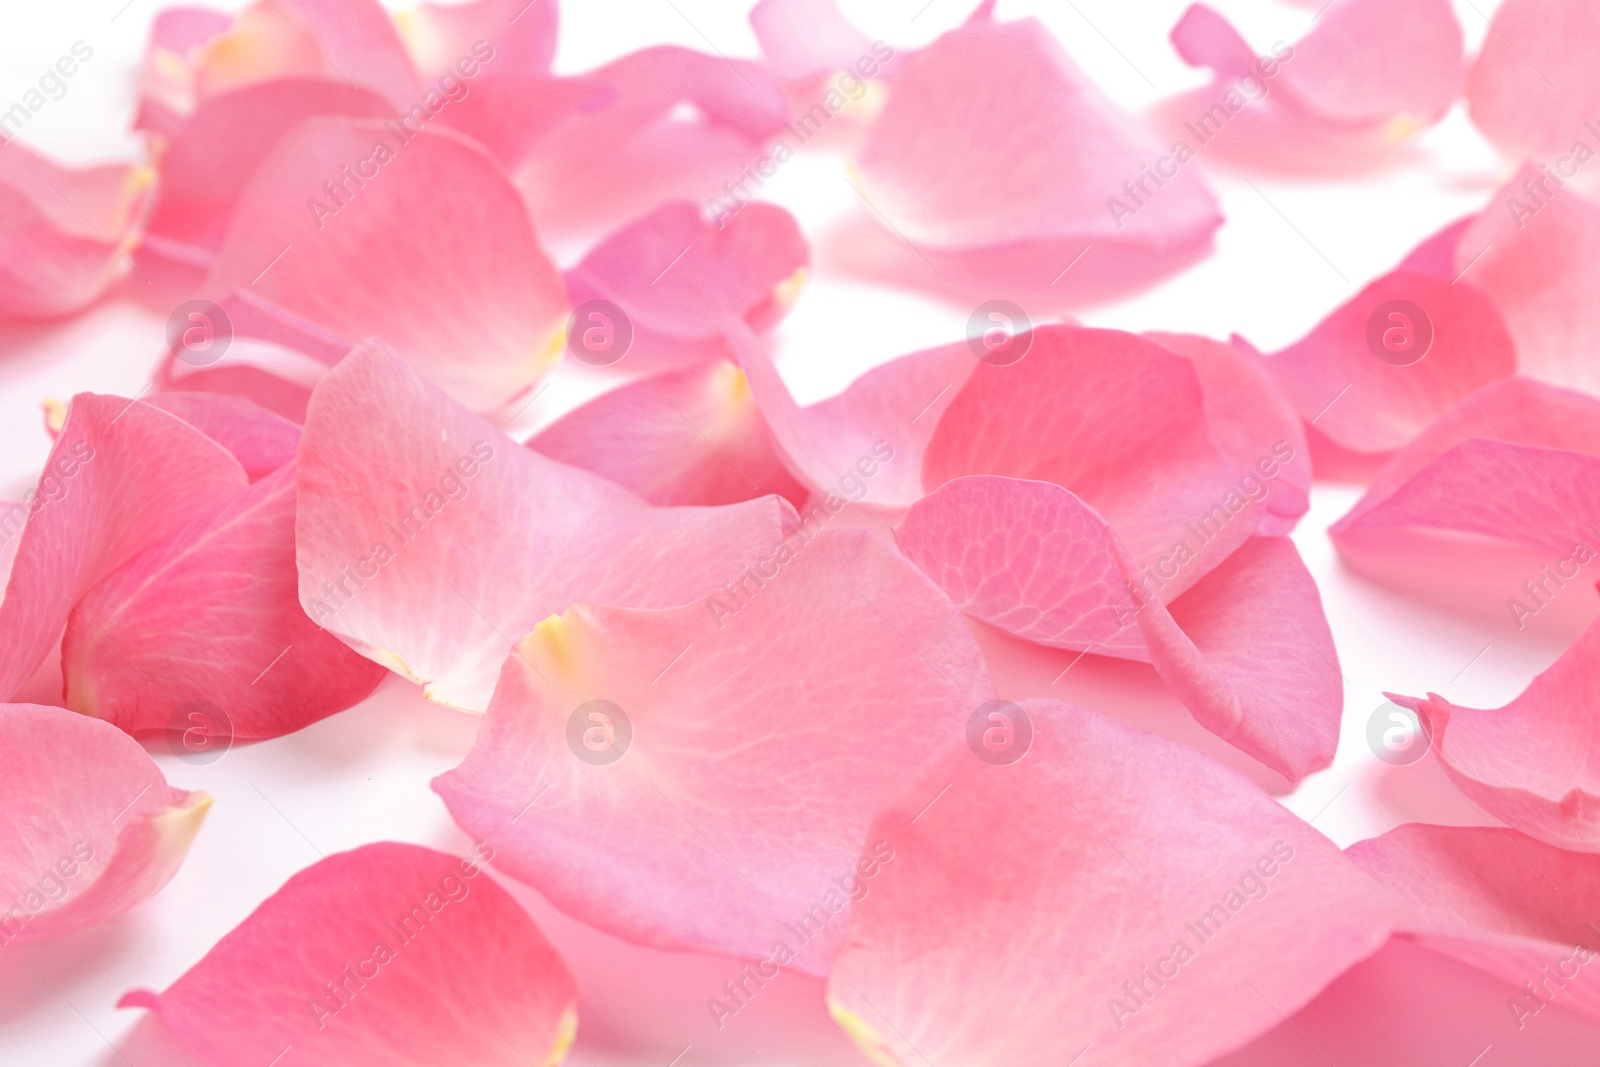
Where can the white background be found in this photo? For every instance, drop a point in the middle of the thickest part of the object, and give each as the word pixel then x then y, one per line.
pixel 363 775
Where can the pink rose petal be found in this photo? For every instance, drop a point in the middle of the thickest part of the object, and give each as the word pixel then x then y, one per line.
pixel 519 37
pixel 765 726
pixel 90 827
pixel 1499 901
pixel 1113 896
pixel 432 251
pixel 389 953
pixel 429 541
pixel 261 440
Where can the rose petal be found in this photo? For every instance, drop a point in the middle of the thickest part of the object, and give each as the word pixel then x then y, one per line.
pixel 676 277
pixel 766 728
pixel 90 827
pixel 518 36
pixel 1112 896
pixel 389 953
pixel 212 614
pixel 1532 763
pixel 693 437
pixel 432 251
pixel 426 538
pixel 1499 901
pixel 260 440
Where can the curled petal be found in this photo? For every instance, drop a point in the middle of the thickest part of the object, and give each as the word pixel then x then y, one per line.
pixel 426 538
pixel 90 827
pixel 1169 909
pixel 389 953
pixel 828 676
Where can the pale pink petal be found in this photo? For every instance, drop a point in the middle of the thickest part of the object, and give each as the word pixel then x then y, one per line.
pixel 1515 411
pixel 805 38
pixel 389 953
pixel 678 124
pixel 1535 763
pixel 260 440
pixel 429 541
pixel 759 730
pixel 1247 648
pixel 354 41
pixel 1395 357
pixel 1122 422
pixel 873 433
pixel 690 437
pixel 211 160
pixel 1533 90
pixel 212 614
pixel 89 828
pixel 676 276
pixel 64 231
pixel 1368 75
pixel 509 36
pixel 1536 251
pixel 432 252
pixel 1111 896
pixel 1000 163
pixel 121 477
pixel 1500 901
pixel 178 36
pixel 509 114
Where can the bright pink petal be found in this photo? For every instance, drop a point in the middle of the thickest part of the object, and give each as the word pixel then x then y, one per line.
pixel 509 114
pixel 429 541
pixel 1536 251
pixel 874 433
pixel 1533 90
pixel 1124 424
pixel 678 124
pixel 1500 901
pixel 89 828
pixel 389 953
pixel 763 731
pixel 1368 75
pixel 1359 375
pixel 212 614
pixel 1535 763
pixel 512 36
pixel 690 437
pixel 676 277
pixel 260 440
pixel 213 157
pixel 1112 896
pixel 64 231
pixel 1247 649
pixel 121 477
pixel 354 41
pixel 995 157
pixel 432 251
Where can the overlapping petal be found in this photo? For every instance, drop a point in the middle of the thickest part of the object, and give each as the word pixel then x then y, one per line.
pixel 388 953
pixel 1111 896
pixel 756 733
pixel 413 236
pixel 1367 75
pixel 89 828
pixel 429 541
